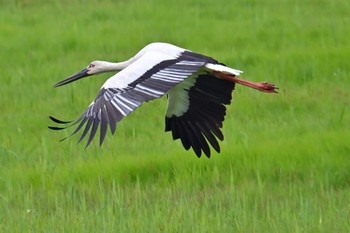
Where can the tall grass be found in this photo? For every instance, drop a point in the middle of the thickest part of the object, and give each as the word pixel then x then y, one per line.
pixel 284 165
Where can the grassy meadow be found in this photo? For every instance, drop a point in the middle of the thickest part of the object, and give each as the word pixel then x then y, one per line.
pixel 285 160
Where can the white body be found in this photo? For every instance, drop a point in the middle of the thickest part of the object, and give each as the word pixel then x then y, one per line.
pixel 149 56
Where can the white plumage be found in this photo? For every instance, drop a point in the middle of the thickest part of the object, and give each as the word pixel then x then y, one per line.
pixel 198 88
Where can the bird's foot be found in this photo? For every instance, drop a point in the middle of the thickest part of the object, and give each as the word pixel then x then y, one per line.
pixel 266 87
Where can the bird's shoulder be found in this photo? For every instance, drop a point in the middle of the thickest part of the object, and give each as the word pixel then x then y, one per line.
pixel 164 48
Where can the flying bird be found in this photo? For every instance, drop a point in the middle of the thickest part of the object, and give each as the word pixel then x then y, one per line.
pixel 197 86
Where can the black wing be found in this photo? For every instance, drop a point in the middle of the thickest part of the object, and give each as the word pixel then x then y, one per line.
pixel 202 122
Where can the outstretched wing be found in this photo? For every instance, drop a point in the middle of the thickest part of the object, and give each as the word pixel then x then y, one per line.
pixel 196 112
pixel 118 97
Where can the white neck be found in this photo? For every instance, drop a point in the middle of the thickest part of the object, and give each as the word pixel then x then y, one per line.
pixel 105 66
pixel 114 66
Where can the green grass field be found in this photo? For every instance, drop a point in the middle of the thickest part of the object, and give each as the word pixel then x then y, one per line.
pixel 285 161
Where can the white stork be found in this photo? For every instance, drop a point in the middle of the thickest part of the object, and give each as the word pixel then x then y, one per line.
pixel 198 88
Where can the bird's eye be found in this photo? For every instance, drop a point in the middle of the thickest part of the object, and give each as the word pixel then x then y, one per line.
pixel 91 66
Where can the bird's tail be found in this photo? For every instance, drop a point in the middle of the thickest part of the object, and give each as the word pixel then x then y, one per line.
pixel 223 69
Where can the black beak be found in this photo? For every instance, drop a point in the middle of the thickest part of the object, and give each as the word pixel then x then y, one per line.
pixel 81 74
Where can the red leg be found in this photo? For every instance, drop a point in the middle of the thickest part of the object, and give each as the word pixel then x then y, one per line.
pixel 262 86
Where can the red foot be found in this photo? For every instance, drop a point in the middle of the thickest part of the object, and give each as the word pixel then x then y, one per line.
pixel 266 87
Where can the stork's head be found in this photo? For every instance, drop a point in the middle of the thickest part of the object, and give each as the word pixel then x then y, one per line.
pixel 95 67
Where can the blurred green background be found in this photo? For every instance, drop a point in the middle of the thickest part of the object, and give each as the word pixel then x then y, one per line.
pixel 284 165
